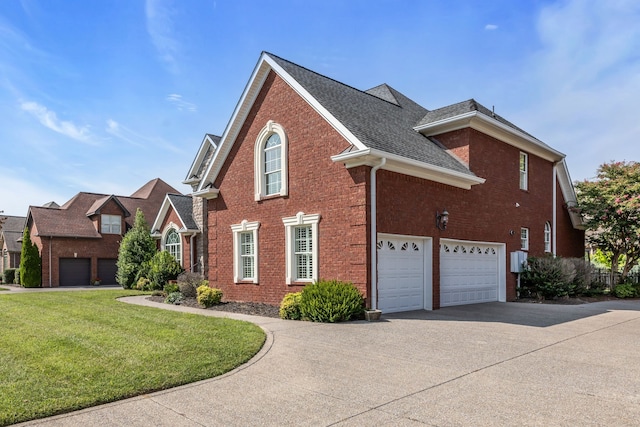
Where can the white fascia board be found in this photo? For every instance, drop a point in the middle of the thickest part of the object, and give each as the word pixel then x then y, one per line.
pixel 195 165
pixel 494 128
pixel 161 214
pixel 568 193
pixel 403 165
pixel 207 193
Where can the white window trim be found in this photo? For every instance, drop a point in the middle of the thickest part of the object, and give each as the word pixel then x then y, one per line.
pixel 524 241
pixel 237 229
pixel 163 240
pixel 289 224
pixel 102 223
pixel 547 237
pixel 260 184
pixel 524 174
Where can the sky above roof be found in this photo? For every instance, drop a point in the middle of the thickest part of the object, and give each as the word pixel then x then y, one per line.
pixel 105 95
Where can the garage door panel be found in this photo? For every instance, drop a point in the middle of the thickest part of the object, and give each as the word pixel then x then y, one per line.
pixel 75 271
pixel 107 269
pixel 400 274
pixel 468 273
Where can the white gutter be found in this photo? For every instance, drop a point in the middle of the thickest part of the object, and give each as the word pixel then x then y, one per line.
pixel 554 216
pixel 374 236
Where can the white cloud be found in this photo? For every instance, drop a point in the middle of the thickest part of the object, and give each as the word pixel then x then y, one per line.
pixel 180 103
pixel 490 27
pixel 583 85
pixel 161 30
pixel 50 120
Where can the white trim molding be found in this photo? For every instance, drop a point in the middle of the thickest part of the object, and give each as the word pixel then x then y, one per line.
pixel 260 185
pixel 237 230
pixel 290 223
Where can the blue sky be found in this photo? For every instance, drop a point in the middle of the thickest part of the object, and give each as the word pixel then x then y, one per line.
pixel 104 95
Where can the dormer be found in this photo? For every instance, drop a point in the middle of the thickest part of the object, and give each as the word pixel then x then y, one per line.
pixel 107 215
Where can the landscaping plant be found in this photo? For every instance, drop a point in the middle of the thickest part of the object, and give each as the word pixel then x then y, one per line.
pixel 162 268
pixel 207 296
pixel 174 298
pixel 189 282
pixel 331 301
pixel 290 306
pixel 30 263
pixel 137 249
pixel 9 275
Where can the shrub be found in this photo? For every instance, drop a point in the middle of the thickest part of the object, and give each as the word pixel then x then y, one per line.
pixel 549 277
pixel 162 268
pixel 174 298
pixel 137 248
pixel 625 290
pixel 30 263
pixel 207 296
pixel 9 275
pixel 170 288
pixel 158 293
pixel 143 284
pixel 189 282
pixel 290 306
pixel 330 301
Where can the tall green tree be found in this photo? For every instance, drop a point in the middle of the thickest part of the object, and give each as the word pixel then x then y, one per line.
pixel 136 250
pixel 30 263
pixel 610 208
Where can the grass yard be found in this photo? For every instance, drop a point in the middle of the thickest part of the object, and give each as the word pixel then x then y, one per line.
pixel 63 351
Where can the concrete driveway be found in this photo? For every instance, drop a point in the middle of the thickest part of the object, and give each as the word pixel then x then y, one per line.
pixel 487 364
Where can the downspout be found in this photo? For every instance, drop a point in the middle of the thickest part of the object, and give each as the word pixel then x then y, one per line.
pixel 50 240
pixel 374 236
pixel 191 251
pixel 554 204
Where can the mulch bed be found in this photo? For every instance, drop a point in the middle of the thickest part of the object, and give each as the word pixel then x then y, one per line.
pixel 252 308
pixel 568 300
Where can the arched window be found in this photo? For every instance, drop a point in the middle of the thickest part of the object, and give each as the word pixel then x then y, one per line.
pixel 547 237
pixel 270 164
pixel 173 245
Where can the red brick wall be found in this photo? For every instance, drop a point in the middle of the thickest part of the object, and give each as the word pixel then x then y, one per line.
pixel 316 186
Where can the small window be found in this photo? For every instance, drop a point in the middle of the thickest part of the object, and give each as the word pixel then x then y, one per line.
pixel 111 224
pixel 524 171
pixel 245 251
pixel 547 237
pixel 524 239
pixel 301 241
pixel 173 245
pixel 270 162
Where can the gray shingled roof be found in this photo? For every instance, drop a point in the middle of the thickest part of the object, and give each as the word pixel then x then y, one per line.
pixel 374 118
pixel 184 208
pixel 11 230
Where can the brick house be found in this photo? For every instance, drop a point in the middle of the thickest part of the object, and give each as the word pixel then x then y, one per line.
pixel 419 208
pixel 79 241
pixel 10 242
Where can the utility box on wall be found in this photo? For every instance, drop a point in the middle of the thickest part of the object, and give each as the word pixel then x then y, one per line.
pixel 518 261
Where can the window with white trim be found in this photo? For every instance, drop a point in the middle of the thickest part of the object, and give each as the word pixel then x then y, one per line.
pixel 524 171
pixel 270 162
pixel 245 251
pixel 547 237
pixel 301 247
pixel 173 244
pixel 524 239
pixel 110 224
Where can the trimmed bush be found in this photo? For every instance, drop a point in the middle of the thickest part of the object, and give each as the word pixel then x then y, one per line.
pixel 331 301
pixel 207 296
pixel 143 284
pixel 174 298
pixel 170 288
pixel 30 263
pixel 189 282
pixel 9 275
pixel 290 306
pixel 625 290
pixel 162 268
pixel 136 249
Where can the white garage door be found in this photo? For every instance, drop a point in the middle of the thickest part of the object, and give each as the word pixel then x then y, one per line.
pixel 468 273
pixel 401 281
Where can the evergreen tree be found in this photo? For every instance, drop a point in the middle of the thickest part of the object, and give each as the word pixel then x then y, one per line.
pixel 136 250
pixel 30 263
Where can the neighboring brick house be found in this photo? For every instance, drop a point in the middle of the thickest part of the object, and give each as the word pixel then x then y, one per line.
pixel 79 241
pixel 11 228
pixel 316 179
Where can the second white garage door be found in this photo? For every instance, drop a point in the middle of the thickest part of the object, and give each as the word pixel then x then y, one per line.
pixel 469 272
pixel 401 273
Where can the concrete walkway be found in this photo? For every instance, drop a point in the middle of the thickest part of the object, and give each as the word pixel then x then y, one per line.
pixel 503 364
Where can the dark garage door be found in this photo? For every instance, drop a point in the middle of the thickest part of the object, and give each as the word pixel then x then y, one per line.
pixel 75 271
pixel 107 271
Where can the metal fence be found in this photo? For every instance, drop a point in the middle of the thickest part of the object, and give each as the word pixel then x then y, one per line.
pixel 608 278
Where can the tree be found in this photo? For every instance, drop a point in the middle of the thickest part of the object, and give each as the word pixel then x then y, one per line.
pixel 30 263
pixel 136 250
pixel 162 268
pixel 610 208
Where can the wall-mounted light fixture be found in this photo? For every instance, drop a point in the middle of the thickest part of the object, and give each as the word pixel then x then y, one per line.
pixel 442 219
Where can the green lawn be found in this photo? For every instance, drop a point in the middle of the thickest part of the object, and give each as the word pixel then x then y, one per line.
pixel 3 289
pixel 63 351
